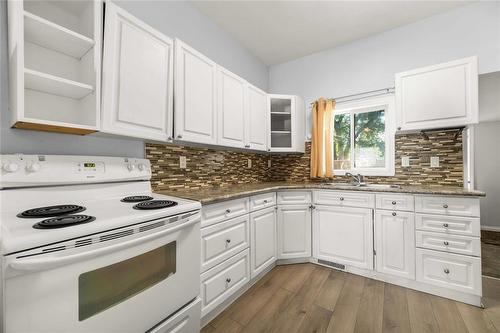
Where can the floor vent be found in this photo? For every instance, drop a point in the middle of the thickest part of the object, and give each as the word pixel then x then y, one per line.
pixel 332 264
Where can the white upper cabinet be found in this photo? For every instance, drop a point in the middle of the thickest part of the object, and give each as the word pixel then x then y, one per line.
pixel 55 65
pixel 195 96
pixel 439 96
pixel 286 123
pixel 256 129
pixel 231 109
pixel 137 78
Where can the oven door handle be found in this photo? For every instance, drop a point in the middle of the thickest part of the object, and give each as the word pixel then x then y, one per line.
pixel 44 263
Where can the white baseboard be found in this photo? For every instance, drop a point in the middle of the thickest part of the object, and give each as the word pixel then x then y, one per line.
pixel 490 228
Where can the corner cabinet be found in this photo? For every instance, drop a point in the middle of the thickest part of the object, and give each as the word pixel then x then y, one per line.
pixel 137 78
pixel 286 123
pixel 55 65
pixel 195 96
pixel 262 240
pixel 438 96
pixel 294 231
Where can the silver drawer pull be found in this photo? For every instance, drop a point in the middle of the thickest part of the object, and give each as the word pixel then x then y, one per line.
pixel 393 213
pixel 341 198
pixel 265 201
pixel 445 225
pixel 394 202
pixel 228 211
pixel 445 206
pixel 446 243
pixel 228 241
pixel 446 271
pixel 228 280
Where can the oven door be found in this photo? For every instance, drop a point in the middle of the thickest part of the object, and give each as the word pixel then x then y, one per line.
pixel 125 280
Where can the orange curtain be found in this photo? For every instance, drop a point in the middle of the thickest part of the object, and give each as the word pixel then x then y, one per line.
pixel 322 139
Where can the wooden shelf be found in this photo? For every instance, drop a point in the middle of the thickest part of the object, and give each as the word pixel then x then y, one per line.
pixel 40 31
pixel 55 85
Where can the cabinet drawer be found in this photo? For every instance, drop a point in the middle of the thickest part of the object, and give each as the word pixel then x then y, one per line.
pixel 220 282
pixel 395 202
pixel 466 226
pixel 344 198
pixel 447 205
pixel 218 212
pixel 294 197
pixel 452 271
pixel 449 243
pixel 262 201
pixel 223 240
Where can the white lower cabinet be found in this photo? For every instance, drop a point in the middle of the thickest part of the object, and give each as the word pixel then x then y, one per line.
pixel 262 240
pixel 294 231
pixel 343 235
pixel 395 243
pixel 220 282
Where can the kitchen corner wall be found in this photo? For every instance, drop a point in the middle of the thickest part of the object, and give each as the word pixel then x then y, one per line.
pixel 214 168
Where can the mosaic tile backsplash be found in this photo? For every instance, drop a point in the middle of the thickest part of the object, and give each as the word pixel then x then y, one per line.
pixel 208 167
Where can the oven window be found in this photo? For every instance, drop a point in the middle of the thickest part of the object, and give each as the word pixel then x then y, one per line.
pixel 105 287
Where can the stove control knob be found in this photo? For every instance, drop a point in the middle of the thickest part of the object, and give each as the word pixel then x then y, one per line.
pixel 33 167
pixel 141 166
pixel 10 167
pixel 130 167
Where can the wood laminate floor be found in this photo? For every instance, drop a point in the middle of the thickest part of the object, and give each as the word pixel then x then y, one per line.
pixel 310 298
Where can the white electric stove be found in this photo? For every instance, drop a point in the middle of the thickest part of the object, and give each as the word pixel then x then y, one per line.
pixel 87 247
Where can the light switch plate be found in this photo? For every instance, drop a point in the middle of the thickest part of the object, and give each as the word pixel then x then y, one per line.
pixel 182 162
pixel 434 161
pixel 405 161
pixel 269 163
pixel 249 163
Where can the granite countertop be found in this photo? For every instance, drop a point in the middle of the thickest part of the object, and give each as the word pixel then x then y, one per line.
pixel 216 194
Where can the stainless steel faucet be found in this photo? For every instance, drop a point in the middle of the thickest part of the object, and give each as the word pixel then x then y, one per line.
pixel 358 179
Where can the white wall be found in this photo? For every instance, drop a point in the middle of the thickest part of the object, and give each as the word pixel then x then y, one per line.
pixel 175 19
pixel 371 63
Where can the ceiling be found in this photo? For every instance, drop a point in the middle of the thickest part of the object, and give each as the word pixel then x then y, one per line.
pixel 279 31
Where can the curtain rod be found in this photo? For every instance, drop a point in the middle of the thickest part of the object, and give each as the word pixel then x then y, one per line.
pixel 361 95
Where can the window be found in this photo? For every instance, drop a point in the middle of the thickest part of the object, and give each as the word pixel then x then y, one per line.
pixel 363 140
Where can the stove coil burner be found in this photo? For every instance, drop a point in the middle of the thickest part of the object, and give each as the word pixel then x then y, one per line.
pixel 136 198
pixel 51 211
pixel 155 204
pixel 63 221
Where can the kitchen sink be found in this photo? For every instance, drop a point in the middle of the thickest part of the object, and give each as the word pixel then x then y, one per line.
pixel 364 185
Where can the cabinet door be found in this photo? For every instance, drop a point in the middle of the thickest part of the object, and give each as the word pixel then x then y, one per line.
pixel 443 95
pixel 294 231
pixel 256 137
pixel 395 243
pixel 262 240
pixel 195 96
pixel 231 109
pixel 343 235
pixel 281 123
pixel 137 78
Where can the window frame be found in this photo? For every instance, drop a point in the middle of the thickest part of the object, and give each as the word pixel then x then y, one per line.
pixel 385 103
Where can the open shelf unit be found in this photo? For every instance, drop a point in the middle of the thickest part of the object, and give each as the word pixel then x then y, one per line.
pixel 55 52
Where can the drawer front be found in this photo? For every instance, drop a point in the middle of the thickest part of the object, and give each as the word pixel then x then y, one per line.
pixel 294 197
pixel 452 271
pixel 220 282
pixel 344 198
pixel 262 201
pixel 401 202
pixel 448 243
pixel 218 212
pixel 466 226
pixel 447 205
pixel 223 240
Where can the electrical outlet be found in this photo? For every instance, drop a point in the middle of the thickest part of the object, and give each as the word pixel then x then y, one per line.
pixel 405 161
pixel 269 163
pixel 249 163
pixel 182 162
pixel 434 161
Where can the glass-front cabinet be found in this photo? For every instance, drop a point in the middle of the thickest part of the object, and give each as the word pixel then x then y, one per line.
pixel 287 123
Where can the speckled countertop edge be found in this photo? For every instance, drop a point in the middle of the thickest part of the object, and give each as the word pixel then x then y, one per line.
pixel 219 194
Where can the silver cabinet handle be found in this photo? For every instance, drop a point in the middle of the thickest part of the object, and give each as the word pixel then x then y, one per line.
pixel 228 280
pixel 394 202
pixel 312 207
pixel 445 206
pixel 179 136
pixel 399 128
pixel 228 241
pixel 446 243
pixel 265 201
pixel 169 138
pixel 247 146
pixel 393 213
pixel 446 271
pixel 445 225
pixel 228 211
pixel 341 198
